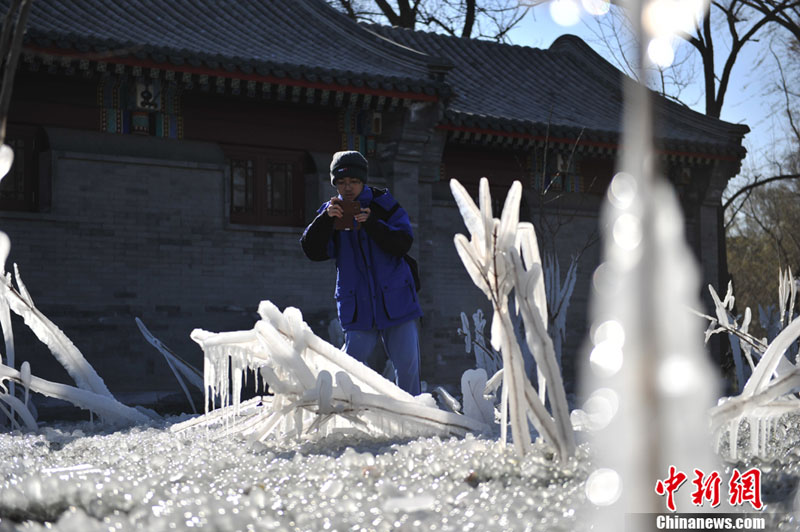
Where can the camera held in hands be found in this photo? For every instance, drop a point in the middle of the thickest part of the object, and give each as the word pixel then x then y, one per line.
pixel 350 209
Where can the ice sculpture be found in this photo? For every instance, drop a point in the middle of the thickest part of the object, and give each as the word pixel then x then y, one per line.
pixel 503 255
pixel 316 388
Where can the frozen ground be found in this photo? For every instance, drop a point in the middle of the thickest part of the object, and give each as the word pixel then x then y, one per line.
pixel 76 476
pixel 79 477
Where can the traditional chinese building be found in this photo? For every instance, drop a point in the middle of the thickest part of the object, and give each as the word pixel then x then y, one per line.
pixel 169 156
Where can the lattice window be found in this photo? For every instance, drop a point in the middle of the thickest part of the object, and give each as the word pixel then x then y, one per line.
pixel 266 186
pixel 22 189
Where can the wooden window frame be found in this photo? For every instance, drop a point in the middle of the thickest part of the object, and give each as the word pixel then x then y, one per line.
pixel 28 143
pixel 261 194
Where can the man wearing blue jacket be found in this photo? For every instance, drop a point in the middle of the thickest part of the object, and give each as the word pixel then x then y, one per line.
pixel 375 291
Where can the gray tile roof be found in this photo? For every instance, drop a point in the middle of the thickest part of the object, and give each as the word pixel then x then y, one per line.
pixel 281 38
pixel 568 86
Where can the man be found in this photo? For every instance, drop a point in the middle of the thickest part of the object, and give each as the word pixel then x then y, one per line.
pixel 375 291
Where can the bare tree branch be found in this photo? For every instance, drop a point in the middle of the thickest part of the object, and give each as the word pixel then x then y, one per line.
pixel 10 49
pixel 469 19
pixel 756 184
pixel 347 6
pixel 490 19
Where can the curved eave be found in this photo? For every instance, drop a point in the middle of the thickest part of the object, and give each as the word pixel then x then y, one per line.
pixel 238 68
pixel 505 132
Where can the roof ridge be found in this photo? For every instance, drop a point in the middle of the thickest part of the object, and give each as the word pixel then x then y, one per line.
pixel 578 48
pixel 326 14
pixel 453 37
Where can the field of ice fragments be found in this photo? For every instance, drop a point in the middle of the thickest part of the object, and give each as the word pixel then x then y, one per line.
pixel 75 477
pixel 84 476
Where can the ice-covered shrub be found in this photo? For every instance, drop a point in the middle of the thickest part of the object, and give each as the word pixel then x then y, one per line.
pixel 486 358
pixel 770 391
pixel 501 256
pixel 91 393
pixel 559 293
pixel 316 388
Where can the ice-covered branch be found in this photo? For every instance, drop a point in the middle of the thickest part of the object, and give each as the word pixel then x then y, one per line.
pixel 503 255
pixel 91 394
pixel 769 393
pixel 180 368
pixel 317 388
pixel 113 411
pixel 54 338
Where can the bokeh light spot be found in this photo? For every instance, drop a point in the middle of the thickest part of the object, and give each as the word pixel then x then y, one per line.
pixel 596 7
pixel 603 487
pixel 565 12
pixel 660 51
pixel 627 232
pixel 665 18
pixel 676 376
pixel 6 159
pixel 603 280
pixel 622 190
pixel 606 359
pixel 601 407
pixel 610 331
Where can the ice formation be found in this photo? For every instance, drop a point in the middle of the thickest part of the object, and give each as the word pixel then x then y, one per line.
pixel 77 477
pixel 503 255
pixel 21 303
pixel 768 394
pixel 649 378
pixel 179 367
pixel 486 358
pixel 316 388
pixel 770 391
pixel 91 394
pixel 476 405
pixel 559 294
pixel 726 321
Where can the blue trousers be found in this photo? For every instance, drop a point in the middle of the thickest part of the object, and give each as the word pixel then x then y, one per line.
pixel 401 344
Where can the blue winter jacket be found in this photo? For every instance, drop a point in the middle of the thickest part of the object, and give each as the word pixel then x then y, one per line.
pixel 374 285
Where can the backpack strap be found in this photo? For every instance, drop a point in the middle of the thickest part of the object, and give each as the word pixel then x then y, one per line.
pixel 380 211
pixel 384 214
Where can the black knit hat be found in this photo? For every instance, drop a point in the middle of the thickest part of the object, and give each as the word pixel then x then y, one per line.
pixel 348 164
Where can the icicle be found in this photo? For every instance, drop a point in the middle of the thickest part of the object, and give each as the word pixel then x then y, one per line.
pixel 298 366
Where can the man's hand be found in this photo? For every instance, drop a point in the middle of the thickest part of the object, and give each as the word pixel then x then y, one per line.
pixel 362 217
pixel 334 210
